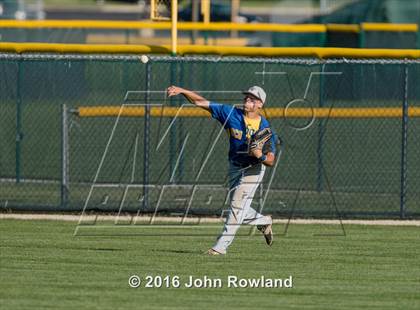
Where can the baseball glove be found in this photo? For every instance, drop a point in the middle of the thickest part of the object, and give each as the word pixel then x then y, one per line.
pixel 259 139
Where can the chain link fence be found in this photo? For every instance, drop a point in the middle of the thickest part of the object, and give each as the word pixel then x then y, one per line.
pixel 69 141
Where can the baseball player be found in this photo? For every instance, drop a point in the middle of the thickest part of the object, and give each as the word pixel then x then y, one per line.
pixel 246 164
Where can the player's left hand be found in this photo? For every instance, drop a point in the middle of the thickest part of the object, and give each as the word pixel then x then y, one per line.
pixel 256 145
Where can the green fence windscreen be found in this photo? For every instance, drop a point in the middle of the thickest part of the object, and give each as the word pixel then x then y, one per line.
pixel 352 166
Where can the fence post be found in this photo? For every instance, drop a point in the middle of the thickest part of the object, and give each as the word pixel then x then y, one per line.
pixel 172 130
pixel 403 191
pixel 180 172
pixel 19 135
pixel 64 156
pixel 146 140
pixel 321 131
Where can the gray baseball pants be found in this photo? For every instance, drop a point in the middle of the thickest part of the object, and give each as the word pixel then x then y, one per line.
pixel 243 185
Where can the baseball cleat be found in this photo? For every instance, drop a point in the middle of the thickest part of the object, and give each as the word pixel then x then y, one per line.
pixel 267 232
pixel 212 252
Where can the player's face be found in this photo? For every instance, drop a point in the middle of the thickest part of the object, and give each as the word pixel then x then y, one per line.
pixel 251 103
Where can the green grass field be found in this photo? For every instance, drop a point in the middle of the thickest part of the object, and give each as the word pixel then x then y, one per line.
pixel 43 266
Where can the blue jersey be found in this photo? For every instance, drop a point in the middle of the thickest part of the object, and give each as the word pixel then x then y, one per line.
pixel 232 118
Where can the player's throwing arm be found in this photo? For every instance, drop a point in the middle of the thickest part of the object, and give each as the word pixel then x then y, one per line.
pixel 191 96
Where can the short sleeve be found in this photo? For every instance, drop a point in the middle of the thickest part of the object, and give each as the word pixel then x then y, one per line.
pixel 273 142
pixel 220 111
pixel 270 147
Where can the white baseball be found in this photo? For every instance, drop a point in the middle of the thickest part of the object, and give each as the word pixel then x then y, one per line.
pixel 144 59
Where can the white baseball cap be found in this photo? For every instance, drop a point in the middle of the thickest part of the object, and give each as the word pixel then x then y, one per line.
pixel 256 91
